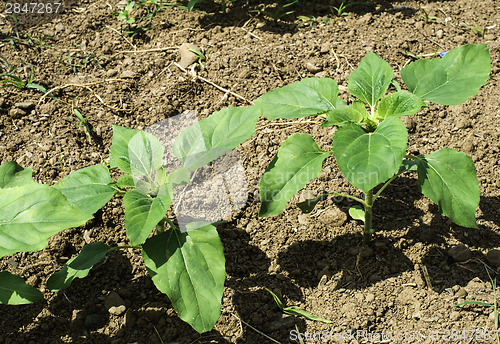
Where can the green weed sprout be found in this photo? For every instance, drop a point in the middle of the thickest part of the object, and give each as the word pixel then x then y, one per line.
pixel 371 141
pixel 17 82
pixel 296 311
pixel 82 121
pixel 201 56
pixel 340 10
pixel 279 12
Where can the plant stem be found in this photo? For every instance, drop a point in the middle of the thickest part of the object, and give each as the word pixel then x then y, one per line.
pixel 368 230
pixel 348 196
pixel 170 223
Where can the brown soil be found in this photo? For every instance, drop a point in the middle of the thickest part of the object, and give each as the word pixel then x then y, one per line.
pixel 313 261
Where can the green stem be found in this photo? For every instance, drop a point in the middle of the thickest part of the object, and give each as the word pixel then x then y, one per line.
pixel 170 223
pixel 348 196
pixel 368 230
pixel 384 186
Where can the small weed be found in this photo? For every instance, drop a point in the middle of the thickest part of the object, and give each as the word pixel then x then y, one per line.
pixel 141 14
pixel 425 16
pixel 193 3
pixel 81 62
pixel 201 56
pixel 82 121
pixel 295 311
pixel 494 305
pixel 9 79
pixel 310 21
pixel 479 30
pixel 279 12
pixel 341 10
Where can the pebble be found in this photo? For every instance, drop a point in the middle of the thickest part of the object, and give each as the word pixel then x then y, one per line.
pixel 493 256
pixel 128 74
pixel 460 253
pixel 333 216
pixel 439 34
pixel 17 113
pixel 187 56
pixel 115 304
pixel 454 316
pixel 311 67
pixel 461 293
pixel 370 297
pixel 25 105
pixel 303 219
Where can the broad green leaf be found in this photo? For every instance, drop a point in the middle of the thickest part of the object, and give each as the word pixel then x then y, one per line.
pixel 14 291
pixel 145 154
pixel 402 103
pixel 449 179
pixel 190 268
pixel 11 175
pixel 143 213
pixel 215 135
pixel 119 152
pixel 299 160
pixel 307 97
pixel 178 177
pixel 125 181
pixel 357 212
pixel 353 113
pixel 88 189
pixel 450 80
pixel 368 159
pixel 370 80
pixel 308 205
pixel 30 214
pixel 79 266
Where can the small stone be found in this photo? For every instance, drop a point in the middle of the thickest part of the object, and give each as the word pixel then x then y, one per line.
pixel 111 73
pixel 461 293
pixel 333 216
pixel 128 74
pixel 370 297
pixel 94 321
pixel 303 219
pixel 493 315
pixel 115 304
pixel 439 34
pixel 187 56
pixel 311 67
pixel 454 316
pixel 324 48
pixel 25 105
pixel 409 123
pixel 460 253
pixel 493 256
pixel 17 113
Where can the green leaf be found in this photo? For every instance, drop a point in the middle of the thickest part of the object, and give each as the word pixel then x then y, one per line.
pixel 296 311
pixel 215 135
pixel 88 189
pixel 125 181
pixel 308 205
pixel 307 97
pixel 479 303
pixel 370 80
pixel 119 152
pixel 178 177
pixel 14 291
pixel 368 159
pixel 398 104
pixel 30 214
pixel 450 80
pixel 353 113
pixel 276 299
pixel 143 213
pixel 190 268
pixel 11 175
pixel 145 154
pixel 449 179
pixel 193 3
pixel 299 160
pixel 79 266
pixel 357 212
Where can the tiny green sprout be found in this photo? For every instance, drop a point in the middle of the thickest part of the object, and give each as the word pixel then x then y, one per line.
pixel 17 82
pixel 494 306
pixel 201 56
pixel 425 16
pixel 125 14
pixel 279 12
pixel 340 10
pixel 82 121
pixel 295 311
pixel 479 31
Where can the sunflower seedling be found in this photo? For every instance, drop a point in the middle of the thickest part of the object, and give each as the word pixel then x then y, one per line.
pixel 371 141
